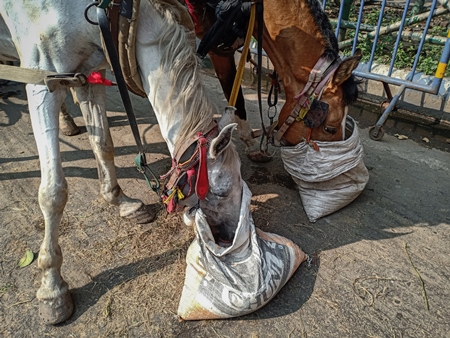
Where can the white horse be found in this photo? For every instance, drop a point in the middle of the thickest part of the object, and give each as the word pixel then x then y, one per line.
pixel 54 36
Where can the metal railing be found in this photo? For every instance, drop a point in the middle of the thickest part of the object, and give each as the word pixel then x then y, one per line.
pixel 352 21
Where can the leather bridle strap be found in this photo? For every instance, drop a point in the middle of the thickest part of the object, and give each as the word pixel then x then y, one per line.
pixel 140 159
pixel 318 78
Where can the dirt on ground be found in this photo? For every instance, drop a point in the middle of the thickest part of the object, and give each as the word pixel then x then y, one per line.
pixel 381 265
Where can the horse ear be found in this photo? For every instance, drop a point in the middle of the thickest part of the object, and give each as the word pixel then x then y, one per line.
pixel 221 142
pixel 346 68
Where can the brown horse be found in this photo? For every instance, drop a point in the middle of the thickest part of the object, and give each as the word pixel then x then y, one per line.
pixel 296 34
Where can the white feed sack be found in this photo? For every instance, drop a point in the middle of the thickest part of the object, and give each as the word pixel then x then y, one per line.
pixel 225 282
pixel 331 178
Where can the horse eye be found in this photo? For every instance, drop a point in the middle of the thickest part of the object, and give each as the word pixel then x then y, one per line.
pixel 330 130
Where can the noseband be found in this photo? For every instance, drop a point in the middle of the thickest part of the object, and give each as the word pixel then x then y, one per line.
pixel 309 108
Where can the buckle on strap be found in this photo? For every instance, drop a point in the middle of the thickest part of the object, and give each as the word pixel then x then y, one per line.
pixel 144 169
pixel 53 82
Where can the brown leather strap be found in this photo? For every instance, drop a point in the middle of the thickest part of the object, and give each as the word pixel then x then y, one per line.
pixel 113 15
pixel 317 80
pixel 127 51
pixel 123 31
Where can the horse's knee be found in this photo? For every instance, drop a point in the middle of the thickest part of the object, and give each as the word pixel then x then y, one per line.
pixel 240 106
pixel 53 197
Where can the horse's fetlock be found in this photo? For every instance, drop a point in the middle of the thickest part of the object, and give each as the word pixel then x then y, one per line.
pixel 113 195
pixel 48 260
pixel 116 191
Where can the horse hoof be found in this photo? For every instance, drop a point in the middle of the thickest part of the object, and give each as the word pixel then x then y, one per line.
pixel 69 128
pixel 258 156
pixel 145 214
pixel 54 311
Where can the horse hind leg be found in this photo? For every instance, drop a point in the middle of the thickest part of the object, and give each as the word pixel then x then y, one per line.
pixel 92 101
pixel 225 68
pixel 55 303
pixel 66 123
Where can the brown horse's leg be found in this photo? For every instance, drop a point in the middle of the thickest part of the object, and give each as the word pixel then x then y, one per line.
pixel 66 123
pixel 225 68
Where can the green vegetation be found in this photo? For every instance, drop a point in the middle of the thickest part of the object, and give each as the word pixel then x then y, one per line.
pixel 407 49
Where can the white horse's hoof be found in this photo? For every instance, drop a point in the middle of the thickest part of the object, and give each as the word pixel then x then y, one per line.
pixel 57 310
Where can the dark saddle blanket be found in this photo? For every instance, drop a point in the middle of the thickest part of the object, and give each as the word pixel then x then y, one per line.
pixel 228 31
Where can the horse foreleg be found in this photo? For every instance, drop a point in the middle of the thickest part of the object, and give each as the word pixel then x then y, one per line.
pixel 66 122
pixel 92 101
pixel 55 303
pixel 225 68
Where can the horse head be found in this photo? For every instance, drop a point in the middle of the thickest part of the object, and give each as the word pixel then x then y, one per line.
pixel 223 198
pixel 205 169
pixel 299 45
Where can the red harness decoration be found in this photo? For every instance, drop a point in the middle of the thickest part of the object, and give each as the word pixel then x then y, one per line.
pixel 202 184
pixel 97 78
pixel 190 176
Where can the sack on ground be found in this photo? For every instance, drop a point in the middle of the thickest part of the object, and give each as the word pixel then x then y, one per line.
pixel 331 178
pixel 225 282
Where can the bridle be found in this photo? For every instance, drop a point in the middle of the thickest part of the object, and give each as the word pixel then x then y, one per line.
pixel 309 108
pixel 189 173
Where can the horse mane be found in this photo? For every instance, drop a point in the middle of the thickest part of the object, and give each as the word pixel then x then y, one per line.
pixel 350 86
pixel 179 61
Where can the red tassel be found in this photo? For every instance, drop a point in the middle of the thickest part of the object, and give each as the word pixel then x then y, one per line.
pixel 202 184
pixel 97 78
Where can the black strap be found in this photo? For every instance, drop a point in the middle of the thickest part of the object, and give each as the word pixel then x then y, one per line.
pixel 260 17
pixel 109 43
pixel 140 159
pixel 273 90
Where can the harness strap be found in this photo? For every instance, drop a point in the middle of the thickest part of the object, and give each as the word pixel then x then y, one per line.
pixel 126 45
pixel 122 16
pixel 260 16
pixel 318 78
pixel 109 44
pixel 113 11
